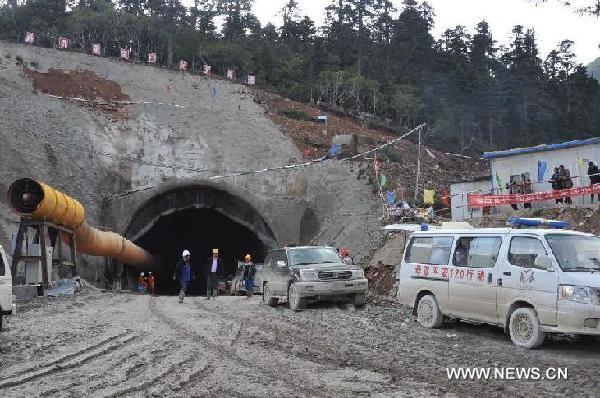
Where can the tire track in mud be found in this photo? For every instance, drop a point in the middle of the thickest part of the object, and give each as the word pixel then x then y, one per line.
pixel 74 360
pixel 64 357
pixel 315 350
pixel 159 372
pixel 228 352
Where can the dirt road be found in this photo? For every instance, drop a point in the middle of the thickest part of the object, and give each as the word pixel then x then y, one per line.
pixel 106 344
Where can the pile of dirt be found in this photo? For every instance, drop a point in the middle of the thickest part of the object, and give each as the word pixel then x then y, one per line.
pixel 78 84
pixel 382 279
pixel 398 163
pixel 306 133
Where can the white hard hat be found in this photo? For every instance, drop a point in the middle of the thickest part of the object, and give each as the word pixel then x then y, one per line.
pixel 185 253
pixel 141 274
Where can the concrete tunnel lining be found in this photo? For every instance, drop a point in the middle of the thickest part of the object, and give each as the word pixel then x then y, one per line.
pixel 199 205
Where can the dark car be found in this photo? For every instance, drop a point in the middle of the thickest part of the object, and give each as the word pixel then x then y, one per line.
pixel 301 274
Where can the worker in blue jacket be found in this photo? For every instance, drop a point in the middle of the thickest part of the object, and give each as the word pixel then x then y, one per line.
pixel 183 273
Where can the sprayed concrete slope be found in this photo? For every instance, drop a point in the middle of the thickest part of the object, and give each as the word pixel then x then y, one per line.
pixel 228 132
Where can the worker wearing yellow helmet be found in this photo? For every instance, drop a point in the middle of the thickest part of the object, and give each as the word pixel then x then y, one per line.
pixel 248 275
pixel 213 268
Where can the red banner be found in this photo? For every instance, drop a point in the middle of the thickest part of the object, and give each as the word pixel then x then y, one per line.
pixel 479 200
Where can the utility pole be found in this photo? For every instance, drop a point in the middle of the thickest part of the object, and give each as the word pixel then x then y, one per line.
pixel 418 168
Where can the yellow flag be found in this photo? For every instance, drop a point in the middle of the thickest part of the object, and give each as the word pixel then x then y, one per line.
pixel 429 196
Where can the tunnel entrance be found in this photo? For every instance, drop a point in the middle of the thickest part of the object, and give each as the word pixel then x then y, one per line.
pixel 198 219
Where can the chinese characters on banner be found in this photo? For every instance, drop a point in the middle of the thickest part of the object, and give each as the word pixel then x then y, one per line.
pixel 29 38
pixel 183 65
pixel 479 200
pixel 63 42
pixel 152 58
pixel 251 80
pixel 96 49
pixel 207 70
pixel 442 272
pixel 230 74
pixel 124 53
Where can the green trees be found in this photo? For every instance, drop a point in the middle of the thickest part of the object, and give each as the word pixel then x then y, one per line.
pixel 375 57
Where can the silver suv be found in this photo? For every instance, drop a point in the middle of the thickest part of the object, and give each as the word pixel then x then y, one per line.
pixel 300 274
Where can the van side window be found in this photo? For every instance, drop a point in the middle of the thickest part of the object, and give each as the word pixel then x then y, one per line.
pixel 523 251
pixel 434 251
pixel 2 266
pixel 481 252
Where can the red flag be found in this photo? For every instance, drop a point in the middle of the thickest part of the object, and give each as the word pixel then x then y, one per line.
pixel 445 198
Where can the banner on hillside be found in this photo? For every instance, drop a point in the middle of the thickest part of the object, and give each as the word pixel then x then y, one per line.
pixel 96 49
pixel 124 53
pixel 29 38
pixel 479 200
pixel 230 74
pixel 251 80
pixel 428 196
pixel 63 42
pixel 183 65
pixel 152 58
pixel 207 70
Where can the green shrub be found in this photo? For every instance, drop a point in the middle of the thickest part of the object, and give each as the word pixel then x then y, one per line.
pixel 19 60
pixel 295 114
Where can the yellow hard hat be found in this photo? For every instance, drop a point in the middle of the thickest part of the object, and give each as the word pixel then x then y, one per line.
pixel 248 257
pixel 215 251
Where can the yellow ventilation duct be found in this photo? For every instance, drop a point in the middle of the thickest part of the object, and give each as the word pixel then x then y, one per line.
pixel 36 200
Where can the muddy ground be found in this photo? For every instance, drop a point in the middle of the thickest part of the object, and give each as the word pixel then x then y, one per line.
pixel 107 344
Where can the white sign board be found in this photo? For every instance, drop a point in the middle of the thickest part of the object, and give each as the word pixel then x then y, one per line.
pixel 96 49
pixel 63 42
pixel 230 74
pixel 251 80
pixel 207 69
pixel 152 58
pixel 29 38
pixel 183 65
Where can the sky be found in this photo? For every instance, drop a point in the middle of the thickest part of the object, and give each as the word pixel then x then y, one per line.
pixel 552 22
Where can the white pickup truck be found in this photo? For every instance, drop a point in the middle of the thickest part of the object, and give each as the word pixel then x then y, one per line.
pixel 7 305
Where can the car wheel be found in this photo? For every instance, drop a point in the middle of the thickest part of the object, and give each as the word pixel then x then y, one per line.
pixel 268 298
pixel 1 317
pixel 524 328
pixel 296 302
pixel 428 312
pixel 360 300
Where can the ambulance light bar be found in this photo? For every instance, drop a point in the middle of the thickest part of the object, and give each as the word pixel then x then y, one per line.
pixel 520 222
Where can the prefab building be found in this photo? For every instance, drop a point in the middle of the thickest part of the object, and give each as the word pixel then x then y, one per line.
pixel 458 198
pixel 538 164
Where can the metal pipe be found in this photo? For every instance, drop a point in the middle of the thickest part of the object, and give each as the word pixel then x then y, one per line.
pixel 38 201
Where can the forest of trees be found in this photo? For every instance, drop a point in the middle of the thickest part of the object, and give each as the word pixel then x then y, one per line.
pixel 376 59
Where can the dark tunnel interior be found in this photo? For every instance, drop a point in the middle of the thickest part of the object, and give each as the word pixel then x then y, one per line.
pixel 199 231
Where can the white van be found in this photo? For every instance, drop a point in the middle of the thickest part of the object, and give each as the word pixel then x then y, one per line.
pixel 528 281
pixel 7 305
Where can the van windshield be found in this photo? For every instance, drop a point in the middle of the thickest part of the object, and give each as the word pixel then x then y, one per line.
pixel 576 252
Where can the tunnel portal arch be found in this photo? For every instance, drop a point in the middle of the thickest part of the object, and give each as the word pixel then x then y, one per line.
pixel 198 217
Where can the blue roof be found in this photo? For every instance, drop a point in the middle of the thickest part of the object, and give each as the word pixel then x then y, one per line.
pixel 540 148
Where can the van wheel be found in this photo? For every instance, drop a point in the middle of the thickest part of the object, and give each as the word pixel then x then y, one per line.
pixel 524 328
pixel 268 298
pixel 428 312
pixel 1 316
pixel 296 302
